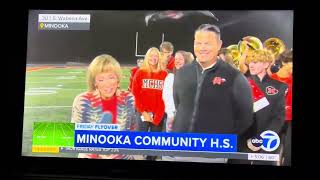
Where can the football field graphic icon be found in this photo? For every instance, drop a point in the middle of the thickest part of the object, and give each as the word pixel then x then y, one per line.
pixel 53 134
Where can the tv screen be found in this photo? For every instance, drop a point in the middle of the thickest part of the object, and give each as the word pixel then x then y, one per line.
pixel 182 86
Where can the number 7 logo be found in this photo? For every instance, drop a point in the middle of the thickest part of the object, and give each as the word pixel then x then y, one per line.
pixel 271 141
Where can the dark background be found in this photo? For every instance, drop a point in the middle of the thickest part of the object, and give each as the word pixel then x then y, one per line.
pixel 114 33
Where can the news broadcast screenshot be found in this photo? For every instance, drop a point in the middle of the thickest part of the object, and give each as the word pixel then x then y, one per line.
pixel 184 86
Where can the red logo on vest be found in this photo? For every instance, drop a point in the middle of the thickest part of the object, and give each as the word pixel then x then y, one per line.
pixel 271 90
pixel 218 80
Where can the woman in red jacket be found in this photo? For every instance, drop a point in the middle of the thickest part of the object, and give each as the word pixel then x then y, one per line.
pixel 147 90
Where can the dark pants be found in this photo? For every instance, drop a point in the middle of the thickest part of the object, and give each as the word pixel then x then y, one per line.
pixel 287 144
pixel 149 127
pixel 242 147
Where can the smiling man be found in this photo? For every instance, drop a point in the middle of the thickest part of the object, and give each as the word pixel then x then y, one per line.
pixel 211 96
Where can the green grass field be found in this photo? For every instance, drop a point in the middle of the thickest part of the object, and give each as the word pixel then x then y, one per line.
pixel 49 94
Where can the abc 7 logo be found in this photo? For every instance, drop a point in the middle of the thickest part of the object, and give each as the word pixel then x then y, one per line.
pixel 267 141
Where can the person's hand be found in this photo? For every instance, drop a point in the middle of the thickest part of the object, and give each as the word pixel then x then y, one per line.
pixel 147 117
pixel 251 146
pixel 150 119
pixel 170 123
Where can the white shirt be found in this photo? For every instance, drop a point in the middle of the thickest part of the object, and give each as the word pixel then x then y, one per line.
pixel 167 95
pixel 203 69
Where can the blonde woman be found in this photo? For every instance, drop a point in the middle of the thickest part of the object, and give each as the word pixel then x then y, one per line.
pixel 104 102
pixel 147 89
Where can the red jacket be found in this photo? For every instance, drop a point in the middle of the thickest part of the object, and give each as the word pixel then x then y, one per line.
pixel 170 64
pixel 147 90
pixel 133 72
pixel 288 81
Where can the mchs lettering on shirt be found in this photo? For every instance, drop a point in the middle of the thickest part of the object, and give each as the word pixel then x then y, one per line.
pixel 152 84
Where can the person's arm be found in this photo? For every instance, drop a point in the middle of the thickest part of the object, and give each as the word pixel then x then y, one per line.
pixel 131 80
pixel 167 96
pixel 175 89
pixel 278 118
pixel 76 115
pixel 131 116
pixel 158 115
pixel 243 104
pixel 160 107
pixel 136 91
pixel 289 104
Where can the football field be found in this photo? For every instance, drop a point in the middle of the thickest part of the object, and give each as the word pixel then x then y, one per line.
pixel 49 94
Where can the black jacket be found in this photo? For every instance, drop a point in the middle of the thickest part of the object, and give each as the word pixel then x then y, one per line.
pixel 272 117
pixel 205 107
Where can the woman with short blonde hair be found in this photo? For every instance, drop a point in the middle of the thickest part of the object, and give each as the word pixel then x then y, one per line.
pixel 104 102
pixel 102 63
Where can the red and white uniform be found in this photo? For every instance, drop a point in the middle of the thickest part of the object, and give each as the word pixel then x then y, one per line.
pixel 259 99
pixel 147 90
pixel 288 81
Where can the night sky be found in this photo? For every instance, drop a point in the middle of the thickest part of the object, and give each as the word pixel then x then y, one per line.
pixel 114 33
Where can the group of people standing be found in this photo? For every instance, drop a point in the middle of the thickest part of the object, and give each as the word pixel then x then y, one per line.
pixel 181 93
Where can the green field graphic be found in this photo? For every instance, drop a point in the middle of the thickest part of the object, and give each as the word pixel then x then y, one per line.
pixel 53 134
